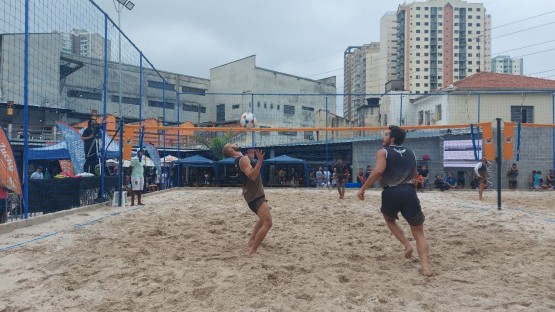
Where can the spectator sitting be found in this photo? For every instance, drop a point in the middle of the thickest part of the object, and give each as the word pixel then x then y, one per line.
pixel 550 179
pixel 439 184
pixel 424 172
pixel 419 182
pixel 543 186
pixel 360 176
pixel 451 181
pixel 534 180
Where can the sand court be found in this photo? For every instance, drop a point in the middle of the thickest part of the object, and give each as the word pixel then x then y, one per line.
pixel 186 250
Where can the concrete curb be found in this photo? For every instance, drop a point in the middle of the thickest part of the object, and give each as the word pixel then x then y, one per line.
pixel 19 224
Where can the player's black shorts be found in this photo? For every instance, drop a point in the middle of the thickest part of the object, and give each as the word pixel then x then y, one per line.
pixel 402 198
pixel 255 204
pixel 340 179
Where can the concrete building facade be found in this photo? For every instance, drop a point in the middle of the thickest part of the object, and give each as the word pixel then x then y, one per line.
pixel 73 86
pixel 280 100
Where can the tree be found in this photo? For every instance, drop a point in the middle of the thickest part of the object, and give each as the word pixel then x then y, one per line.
pixel 215 144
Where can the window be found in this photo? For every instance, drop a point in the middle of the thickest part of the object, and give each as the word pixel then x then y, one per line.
pixel 289 133
pixel 420 118
pixel 271 106
pixel 193 90
pixel 289 109
pixel 306 108
pixel 235 106
pixel 126 100
pixel 160 85
pixel 278 107
pixel 194 108
pixel 258 104
pixel 160 104
pixel 85 95
pixel 527 114
pixel 265 105
pixel 308 135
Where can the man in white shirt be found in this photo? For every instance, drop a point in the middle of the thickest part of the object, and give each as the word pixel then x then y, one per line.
pixel 38 174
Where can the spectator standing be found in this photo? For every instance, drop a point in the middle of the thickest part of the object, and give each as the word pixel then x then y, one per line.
pixel 37 175
pixel 481 171
pixel 320 177
pixel 512 174
pixel 137 177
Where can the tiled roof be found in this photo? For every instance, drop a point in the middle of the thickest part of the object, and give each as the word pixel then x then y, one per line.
pixel 494 81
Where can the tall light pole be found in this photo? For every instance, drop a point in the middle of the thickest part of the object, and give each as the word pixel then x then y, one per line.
pixel 119 5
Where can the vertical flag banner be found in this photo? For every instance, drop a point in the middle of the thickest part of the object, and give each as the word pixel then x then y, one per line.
pixel 127 142
pixel 508 140
pixel 9 177
pixel 487 138
pixel 75 146
pixel 153 153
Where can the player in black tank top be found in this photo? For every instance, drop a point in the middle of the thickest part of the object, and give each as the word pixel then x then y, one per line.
pixel 396 170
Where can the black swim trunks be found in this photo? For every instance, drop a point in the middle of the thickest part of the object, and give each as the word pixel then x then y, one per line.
pixel 255 204
pixel 402 198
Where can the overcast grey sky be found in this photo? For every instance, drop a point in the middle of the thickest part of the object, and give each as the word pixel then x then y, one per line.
pixel 306 37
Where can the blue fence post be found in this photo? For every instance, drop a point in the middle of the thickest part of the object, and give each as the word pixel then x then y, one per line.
pixel 252 110
pixel 120 162
pixel 164 122
pixel 104 110
pixel 327 136
pixel 140 100
pixel 178 142
pixel 26 115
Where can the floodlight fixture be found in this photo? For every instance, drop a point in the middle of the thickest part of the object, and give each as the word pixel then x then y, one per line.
pixel 130 5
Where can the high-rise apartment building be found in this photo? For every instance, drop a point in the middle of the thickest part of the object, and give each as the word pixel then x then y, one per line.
pixel 83 43
pixel 440 42
pixel 362 76
pixel 504 64
pixel 388 49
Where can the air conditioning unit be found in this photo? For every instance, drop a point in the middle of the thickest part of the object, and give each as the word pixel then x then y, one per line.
pixel 311 137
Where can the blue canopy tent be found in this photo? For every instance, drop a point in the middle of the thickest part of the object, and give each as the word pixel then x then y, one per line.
pixel 226 172
pixel 59 151
pixel 195 161
pixel 287 161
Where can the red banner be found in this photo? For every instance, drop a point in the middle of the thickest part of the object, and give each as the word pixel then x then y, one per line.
pixel 9 177
pixel 67 167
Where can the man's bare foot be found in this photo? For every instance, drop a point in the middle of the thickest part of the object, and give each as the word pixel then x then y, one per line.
pixel 252 252
pixel 250 242
pixel 408 253
pixel 426 272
